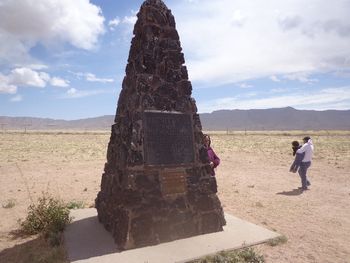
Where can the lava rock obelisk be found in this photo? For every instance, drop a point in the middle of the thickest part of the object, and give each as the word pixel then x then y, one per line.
pixel 157 184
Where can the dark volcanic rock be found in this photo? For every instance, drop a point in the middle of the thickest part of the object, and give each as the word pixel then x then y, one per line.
pixel 156 185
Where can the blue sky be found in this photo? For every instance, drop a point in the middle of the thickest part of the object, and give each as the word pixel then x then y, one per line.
pixel 66 59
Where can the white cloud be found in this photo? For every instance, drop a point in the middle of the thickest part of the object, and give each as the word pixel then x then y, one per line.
pixel 9 89
pixel 24 23
pixel 37 66
pixel 274 79
pixel 244 85
pixel 331 98
pixel 250 94
pixel 131 20
pixel 23 77
pixel 279 90
pixel 288 23
pixel 301 76
pixel 238 18
pixel 16 98
pixel 32 66
pixel 28 77
pixel 59 82
pixel 114 23
pixel 6 86
pixel 342 73
pixel 73 93
pixel 274 38
pixel 92 78
pixel 44 76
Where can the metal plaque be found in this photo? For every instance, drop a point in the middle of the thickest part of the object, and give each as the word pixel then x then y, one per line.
pixel 173 182
pixel 168 138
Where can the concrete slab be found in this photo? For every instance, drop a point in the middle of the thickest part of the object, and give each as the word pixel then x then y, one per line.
pixel 88 242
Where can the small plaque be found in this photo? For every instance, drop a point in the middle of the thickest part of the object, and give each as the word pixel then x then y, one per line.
pixel 168 138
pixel 173 182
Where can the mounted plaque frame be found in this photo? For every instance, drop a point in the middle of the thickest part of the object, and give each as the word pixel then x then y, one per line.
pixel 168 138
pixel 173 182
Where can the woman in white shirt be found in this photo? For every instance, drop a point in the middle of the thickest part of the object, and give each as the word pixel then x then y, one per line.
pixel 308 149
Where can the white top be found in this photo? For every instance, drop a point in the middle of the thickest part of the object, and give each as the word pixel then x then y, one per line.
pixel 308 149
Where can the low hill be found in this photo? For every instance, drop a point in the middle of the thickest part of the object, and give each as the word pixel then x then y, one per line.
pixel 266 119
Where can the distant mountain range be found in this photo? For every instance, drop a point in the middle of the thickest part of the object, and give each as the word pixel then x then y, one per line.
pixel 276 119
pixel 266 119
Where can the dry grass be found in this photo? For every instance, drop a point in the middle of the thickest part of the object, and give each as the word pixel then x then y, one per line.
pixel 332 148
pixel 253 180
pixel 52 147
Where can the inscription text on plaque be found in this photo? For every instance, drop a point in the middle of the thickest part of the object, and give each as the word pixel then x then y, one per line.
pixel 173 182
pixel 168 138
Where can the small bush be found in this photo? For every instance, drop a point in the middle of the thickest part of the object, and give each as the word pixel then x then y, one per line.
pixel 75 205
pixel 49 218
pixel 277 241
pixel 249 255
pixel 246 255
pixel 10 204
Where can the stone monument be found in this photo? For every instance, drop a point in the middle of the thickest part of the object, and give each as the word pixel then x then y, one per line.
pixel 157 186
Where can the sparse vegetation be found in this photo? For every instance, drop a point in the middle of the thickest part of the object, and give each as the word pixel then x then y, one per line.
pixel 9 204
pixel 277 241
pixel 259 204
pixel 246 255
pixel 48 218
pixel 75 205
pixel 74 161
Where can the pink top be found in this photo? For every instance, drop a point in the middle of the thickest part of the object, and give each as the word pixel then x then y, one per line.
pixel 213 158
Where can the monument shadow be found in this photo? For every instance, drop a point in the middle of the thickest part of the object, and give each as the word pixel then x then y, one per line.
pixel 87 238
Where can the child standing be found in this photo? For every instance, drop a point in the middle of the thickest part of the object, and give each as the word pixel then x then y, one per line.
pixel 298 157
pixel 214 160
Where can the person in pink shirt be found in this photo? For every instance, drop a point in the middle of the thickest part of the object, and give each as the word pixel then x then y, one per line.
pixel 214 160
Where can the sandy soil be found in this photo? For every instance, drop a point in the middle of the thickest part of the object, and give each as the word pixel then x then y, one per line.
pixel 253 179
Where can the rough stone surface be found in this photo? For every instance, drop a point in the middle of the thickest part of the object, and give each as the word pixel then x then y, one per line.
pixel 143 203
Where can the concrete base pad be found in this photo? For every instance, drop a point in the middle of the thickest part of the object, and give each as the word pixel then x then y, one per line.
pixel 88 242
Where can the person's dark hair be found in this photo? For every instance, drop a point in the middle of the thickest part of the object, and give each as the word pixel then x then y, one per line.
pixel 295 147
pixel 207 136
pixel 295 143
pixel 306 139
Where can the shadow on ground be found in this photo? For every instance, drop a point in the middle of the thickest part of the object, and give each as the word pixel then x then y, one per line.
pixel 293 192
pixel 34 251
pixel 88 233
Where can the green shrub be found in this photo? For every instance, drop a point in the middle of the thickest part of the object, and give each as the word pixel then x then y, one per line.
pixel 277 241
pixel 10 204
pixel 75 205
pixel 49 218
pixel 246 255
pixel 249 255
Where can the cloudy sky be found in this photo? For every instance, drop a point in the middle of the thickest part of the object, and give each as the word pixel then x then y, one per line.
pixel 66 59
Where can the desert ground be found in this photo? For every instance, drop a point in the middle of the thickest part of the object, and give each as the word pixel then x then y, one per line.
pixel 254 183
